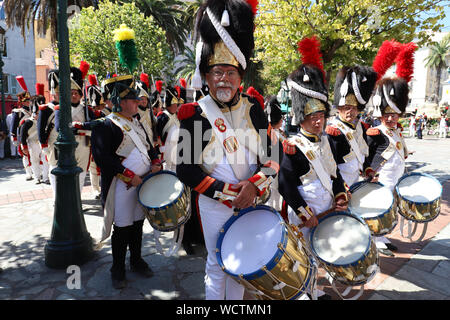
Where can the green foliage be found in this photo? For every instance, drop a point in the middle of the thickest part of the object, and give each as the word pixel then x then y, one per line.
pixel 351 31
pixel 91 39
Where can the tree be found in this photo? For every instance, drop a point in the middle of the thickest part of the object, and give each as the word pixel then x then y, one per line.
pixel 351 31
pixel 22 14
pixel 91 39
pixel 170 16
pixel 437 60
pixel 188 65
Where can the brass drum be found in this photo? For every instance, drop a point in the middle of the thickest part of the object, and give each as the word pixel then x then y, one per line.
pixel 375 204
pixel 262 253
pixel 343 243
pixel 418 197
pixel 165 200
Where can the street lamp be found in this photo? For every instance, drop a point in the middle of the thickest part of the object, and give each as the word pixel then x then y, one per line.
pixel 70 243
pixel 2 48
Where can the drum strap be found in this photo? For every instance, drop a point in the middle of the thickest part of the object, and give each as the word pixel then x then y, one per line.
pixel 225 134
pixel 395 138
pixel 316 163
pixel 127 129
pixel 352 140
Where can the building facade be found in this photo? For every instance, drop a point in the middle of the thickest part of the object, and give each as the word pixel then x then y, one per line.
pixel 19 59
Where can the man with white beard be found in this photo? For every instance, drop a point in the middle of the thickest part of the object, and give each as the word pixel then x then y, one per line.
pixel 211 140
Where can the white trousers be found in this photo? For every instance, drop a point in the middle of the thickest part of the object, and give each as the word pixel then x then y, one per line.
pixel 390 173
pixel 34 149
pixel 218 285
pixel 126 206
pixel 442 132
pixel 26 162
pixel 317 198
pixel 350 171
pixel 94 175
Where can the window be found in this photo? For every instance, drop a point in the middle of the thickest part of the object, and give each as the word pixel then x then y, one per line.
pixel 13 84
pixel 5 48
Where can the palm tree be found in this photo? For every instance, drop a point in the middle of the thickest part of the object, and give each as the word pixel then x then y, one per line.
pixel 437 59
pixel 169 15
pixel 187 62
pixel 22 13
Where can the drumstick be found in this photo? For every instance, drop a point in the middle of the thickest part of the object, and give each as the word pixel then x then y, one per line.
pixel 320 215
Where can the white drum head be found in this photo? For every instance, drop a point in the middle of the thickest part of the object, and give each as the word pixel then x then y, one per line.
pixel 370 200
pixel 418 188
pixel 340 239
pixel 160 190
pixel 251 241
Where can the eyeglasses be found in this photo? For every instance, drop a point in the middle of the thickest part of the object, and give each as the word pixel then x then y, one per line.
pixel 218 74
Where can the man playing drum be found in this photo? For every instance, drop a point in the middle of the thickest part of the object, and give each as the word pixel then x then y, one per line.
pixel 309 179
pixel 125 155
pixel 223 137
pixel 387 150
pixel 347 134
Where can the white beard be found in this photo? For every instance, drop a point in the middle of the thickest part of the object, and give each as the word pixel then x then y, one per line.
pixel 224 95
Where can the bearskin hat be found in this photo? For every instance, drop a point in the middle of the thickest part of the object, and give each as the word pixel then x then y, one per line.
pixel 273 110
pixel 354 86
pixel 224 33
pixel 391 94
pixel 309 93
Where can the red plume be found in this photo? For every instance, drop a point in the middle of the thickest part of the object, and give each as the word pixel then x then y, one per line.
pixel 178 91
pixel 39 89
pixel 84 67
pixel 92 80
pixel 159 85
pixel 309 48
pixel 183 82
pixel 241 88
pixel 252 92
pixel 22 83
pixel 114 75
pixel 254 5
pixel 144 79
pixel 405 61
pixel 385 57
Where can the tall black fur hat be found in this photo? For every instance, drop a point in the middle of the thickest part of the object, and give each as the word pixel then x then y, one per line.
pixel 391 94
pixel 224 33
pixel 309 93
pixel 354 86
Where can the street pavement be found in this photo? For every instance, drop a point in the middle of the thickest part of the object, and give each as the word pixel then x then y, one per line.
pixel 419 271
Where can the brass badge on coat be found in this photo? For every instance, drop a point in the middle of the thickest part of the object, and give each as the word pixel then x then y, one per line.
pixel 220 124
pixel 231 144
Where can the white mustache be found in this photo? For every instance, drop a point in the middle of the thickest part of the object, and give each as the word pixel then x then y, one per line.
pixel 224 84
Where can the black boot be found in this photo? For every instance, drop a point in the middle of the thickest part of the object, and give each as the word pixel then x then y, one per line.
pixel 137 264
pixel 119 242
